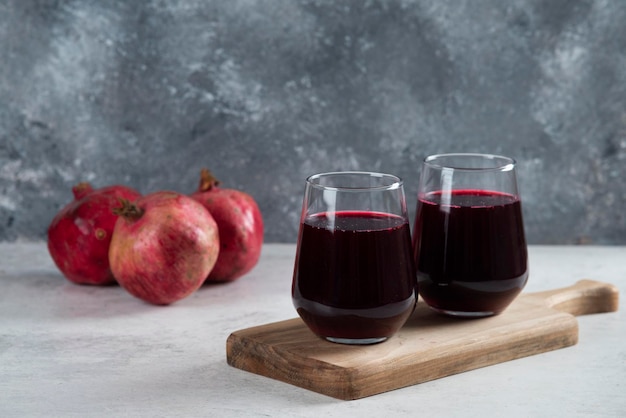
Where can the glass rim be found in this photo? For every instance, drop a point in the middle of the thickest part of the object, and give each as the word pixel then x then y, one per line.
pixel 396 182
pixel 508 163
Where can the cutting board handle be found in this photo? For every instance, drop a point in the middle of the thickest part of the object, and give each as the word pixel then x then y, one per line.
pixel 584 297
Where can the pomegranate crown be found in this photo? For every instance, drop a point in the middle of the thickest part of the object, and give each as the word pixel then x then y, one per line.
pixel 128 210
pixel 207 181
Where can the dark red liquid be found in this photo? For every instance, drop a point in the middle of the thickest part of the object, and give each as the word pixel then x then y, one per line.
pixel 470 250
pixel 356 279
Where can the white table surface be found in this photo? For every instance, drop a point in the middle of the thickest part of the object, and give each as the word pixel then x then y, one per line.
pixel 79 351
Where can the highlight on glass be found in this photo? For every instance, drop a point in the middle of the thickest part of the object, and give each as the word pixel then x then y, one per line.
pixel 468 237
pixel 354 276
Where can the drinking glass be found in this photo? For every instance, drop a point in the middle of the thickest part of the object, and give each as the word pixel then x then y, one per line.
pixel 354 276
pixel 468 236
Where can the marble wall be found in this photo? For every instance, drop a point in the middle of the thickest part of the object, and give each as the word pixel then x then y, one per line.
pixel 265 93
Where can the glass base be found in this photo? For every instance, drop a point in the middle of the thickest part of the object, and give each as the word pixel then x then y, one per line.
pixel 462 314
pixel 356 341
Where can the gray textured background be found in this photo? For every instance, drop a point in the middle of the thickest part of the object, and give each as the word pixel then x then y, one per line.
pixel 265 93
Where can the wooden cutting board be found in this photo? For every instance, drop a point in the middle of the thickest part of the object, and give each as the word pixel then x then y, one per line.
pixel 429 346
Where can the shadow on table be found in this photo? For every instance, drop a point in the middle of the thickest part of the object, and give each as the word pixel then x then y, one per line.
pixel 50 294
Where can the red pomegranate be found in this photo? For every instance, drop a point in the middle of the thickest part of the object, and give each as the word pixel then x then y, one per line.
pixel 240 227
pixel 80 234
pixel 164 245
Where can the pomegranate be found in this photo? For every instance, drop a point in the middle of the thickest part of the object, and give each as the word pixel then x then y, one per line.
pixel 80 233
pixel 164 245
pixel 240 227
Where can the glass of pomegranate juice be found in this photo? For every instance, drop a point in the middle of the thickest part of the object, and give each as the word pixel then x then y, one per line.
pixel 468 238
pixel 354 276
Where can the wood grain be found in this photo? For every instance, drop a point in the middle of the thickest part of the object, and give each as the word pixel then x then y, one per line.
pixel 429 346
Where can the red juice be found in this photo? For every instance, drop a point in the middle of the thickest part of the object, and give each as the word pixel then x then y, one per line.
pixel 354 276
pixel 470 250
